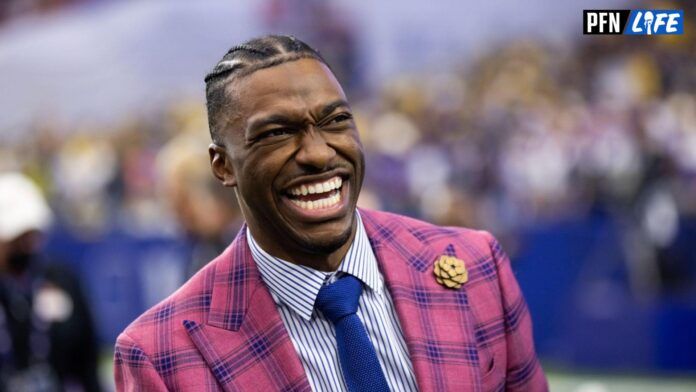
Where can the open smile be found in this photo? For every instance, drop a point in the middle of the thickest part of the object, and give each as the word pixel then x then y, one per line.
pixel 318 200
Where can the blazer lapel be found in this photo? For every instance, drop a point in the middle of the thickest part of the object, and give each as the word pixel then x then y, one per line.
pixel 244 341
pixel 436 321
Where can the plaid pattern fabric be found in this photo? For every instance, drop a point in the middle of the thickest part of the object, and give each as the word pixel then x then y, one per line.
pixel 222 331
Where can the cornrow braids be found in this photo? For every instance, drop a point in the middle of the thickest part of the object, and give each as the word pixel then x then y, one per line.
pixel 242 60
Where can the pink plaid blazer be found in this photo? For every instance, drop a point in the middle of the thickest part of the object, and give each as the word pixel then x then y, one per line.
pixel 221 330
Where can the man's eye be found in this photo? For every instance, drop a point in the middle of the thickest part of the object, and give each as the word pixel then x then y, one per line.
pixel 275 132
pixel 340 118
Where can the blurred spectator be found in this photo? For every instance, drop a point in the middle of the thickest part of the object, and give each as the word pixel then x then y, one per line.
pixel 204 209
pixel 47 338
pixel 324 23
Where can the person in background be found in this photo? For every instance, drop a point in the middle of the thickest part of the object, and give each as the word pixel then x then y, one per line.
pixel 206 214
pixel 47 336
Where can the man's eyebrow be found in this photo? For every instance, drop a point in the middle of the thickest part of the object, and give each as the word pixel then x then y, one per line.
pixel 328 109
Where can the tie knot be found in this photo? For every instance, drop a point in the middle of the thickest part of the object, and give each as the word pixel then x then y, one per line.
pixel 340 298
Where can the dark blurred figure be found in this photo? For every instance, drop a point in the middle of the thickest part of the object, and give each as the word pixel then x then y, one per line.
pixel 328 26
pixel 47 337
pixel 207 215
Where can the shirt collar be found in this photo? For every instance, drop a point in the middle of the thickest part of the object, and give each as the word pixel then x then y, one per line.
pixel 297 286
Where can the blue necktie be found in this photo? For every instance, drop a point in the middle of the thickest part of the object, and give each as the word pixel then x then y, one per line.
pixel 339 302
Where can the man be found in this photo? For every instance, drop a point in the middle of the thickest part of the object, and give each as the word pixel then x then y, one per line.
pixel 314 294
pixel 47 337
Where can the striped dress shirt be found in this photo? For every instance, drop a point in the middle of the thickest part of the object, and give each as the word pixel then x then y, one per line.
pixel 294 289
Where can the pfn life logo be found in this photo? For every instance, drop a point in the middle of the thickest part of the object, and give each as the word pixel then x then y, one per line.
pixel 633 22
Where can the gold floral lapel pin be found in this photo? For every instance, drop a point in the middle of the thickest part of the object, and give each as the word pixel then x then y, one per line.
pixel 450 272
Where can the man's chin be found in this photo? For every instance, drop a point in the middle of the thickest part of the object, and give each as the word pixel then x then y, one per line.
pixel 323 242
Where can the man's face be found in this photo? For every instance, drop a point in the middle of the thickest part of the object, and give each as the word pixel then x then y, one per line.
pixel 293 152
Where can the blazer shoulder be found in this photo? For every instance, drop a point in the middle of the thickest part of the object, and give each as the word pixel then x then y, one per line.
pixel 432 234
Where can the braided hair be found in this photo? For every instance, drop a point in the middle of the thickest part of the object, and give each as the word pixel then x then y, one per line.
pixel 244 59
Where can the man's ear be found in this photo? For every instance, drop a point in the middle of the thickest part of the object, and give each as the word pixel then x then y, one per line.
pixel 221 165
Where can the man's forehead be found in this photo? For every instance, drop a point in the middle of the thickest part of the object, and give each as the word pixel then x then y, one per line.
pixel 297 75
pixel 294 85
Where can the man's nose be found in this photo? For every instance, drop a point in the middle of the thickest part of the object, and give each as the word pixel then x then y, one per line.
pixel 314 151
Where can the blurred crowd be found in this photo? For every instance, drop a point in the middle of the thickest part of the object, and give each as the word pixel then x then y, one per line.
pixel 531 133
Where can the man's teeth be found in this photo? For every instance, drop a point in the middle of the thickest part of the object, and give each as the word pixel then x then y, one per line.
pixel 320 187
pixel 331 186
pixel 320 203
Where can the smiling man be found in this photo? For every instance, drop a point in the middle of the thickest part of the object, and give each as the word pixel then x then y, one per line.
pixel 315 294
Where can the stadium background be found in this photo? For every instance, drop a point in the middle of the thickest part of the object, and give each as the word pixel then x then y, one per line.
pixel 577 152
